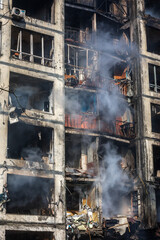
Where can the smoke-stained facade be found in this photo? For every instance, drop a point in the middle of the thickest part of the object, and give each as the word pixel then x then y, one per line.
pixel 79 119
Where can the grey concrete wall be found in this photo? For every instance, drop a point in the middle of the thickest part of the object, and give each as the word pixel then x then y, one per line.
pixel 35 117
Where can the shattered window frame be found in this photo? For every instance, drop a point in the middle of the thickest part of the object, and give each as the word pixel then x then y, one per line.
pixel 154 82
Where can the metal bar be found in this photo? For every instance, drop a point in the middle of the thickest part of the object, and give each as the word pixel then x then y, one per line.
pixel 42 49
pixel 20 47
pixel 155 79
pixel 31 48
pixel 87 58
pixel 52 53
pixel 28 54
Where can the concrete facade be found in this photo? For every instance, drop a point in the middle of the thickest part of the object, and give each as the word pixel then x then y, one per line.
pixel 55 223
pixel 54 124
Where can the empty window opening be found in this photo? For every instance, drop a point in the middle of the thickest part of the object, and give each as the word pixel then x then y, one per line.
pixel 156 160
pixel 155 117
pixel 29 195
pixel 27 94
pixel 78 29
pixel 154 77
pixel 153 40
pixel 152 7
pixel 42 10
pixel 158 204
pixel 80 154
pixel 22 235
pixel 32 47
pixel 32 143
pixel 80 196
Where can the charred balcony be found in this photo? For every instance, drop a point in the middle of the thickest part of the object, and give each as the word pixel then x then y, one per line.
pixel 117 8
pixel 25 93
pixel 32 47
pixel 89 3
pixel 32 143
pixel 41 10
pixel 84 112
pixel 88 68
pixel 29 195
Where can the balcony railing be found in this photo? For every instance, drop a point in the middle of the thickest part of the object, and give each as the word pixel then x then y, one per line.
pixel 89 3
pixel 91 122
pixel 89 78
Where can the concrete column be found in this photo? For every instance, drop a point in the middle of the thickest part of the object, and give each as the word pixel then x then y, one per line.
pixel 147 212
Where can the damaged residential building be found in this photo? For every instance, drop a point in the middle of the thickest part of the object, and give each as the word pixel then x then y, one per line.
pixel 79 119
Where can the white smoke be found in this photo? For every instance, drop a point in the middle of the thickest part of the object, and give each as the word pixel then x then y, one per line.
pixel 152 13
pixel 115 183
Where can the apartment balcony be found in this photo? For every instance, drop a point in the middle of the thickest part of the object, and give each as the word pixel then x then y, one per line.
pixel 92 123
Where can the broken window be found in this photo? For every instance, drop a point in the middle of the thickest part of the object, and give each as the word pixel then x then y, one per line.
pixel 82 203
pixel 156 160
pixel 155 117
pixel 25 93
pixel 154 77
pixel 80 102
pixel 81 196
pixel 153 40
pixel 29 195
pixel 22 235
pixel 81 153
pixel 158 204
pixel 32 143
pixel 32 47
pixel 80 66
pixel 42 10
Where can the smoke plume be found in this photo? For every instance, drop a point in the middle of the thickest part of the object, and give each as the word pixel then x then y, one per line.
pixel 115 183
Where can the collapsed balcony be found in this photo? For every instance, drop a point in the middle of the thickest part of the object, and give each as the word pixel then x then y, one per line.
pixel 41 10
pixel 26 94
pixel 26 235
pixel 32 47
pixel 80 155
pixel 29 195
pixel 82 208
pixel 32 143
